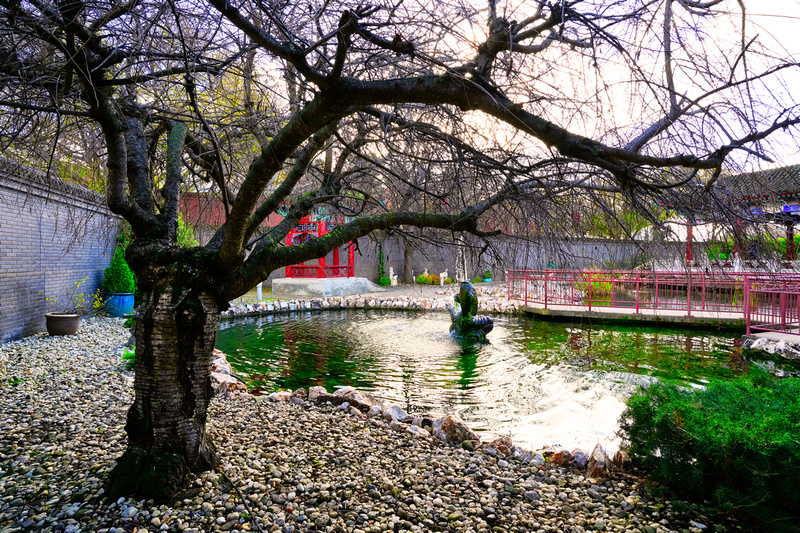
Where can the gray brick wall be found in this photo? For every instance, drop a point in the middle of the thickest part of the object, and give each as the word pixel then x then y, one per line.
pixel 52 234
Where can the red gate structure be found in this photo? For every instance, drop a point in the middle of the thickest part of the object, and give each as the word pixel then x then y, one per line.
pixel 766 301
pixel 309 228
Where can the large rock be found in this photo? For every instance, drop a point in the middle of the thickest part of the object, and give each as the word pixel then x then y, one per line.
pixel 315 392
pixel 220 363
pixel 394 413
pixel 359 399
pixel 225 385
pixel 597 465
pixel 280 396
pixel 452 429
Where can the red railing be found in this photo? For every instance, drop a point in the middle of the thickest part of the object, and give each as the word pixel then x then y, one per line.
pixel 316 271
pixel 766 301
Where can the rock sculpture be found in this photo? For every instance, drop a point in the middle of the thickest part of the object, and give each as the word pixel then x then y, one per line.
pixel 392 276
pixel 464 322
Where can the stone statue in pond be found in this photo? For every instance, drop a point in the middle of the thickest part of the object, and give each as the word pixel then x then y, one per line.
pixel 464 322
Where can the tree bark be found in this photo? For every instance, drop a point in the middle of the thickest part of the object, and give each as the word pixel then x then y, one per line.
pixel 175 336
pixel 408 262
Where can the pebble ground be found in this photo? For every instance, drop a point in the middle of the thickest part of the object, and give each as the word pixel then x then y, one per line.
pixel 288 467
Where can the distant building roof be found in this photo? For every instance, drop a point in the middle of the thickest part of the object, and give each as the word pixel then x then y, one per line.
pixel 773 185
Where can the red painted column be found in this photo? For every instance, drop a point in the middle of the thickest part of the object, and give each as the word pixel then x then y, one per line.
pixel 689 255
pixel 351 260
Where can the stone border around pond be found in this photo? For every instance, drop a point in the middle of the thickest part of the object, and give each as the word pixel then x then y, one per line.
pixel 448 429
pixel 493 301
pixel 787 350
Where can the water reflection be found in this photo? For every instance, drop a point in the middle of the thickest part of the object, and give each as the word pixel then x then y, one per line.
pixel 539 382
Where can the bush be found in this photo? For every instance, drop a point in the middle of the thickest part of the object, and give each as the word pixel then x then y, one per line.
pixel 734 442
pixel 118 276
pixel 598 289
pixel 384 281
pixel 424 279
pixel 185 235
pixel 129 358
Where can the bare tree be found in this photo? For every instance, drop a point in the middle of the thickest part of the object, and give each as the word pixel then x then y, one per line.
pixel 471 119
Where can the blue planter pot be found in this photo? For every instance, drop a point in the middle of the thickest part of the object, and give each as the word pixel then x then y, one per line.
pixel 487 280
pixel 119 303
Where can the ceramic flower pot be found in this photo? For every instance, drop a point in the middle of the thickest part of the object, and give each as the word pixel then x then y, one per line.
pixel 62 323
pixel 119 303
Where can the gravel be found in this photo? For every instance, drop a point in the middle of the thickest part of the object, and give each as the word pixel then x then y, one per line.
pixel 287 466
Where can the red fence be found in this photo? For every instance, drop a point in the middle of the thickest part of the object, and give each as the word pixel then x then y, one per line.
pixel 320 271
pixel 766 301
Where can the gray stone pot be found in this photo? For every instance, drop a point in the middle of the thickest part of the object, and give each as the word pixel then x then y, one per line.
pixel 62 323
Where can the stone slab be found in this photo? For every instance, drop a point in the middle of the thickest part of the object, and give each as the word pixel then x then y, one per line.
pixel 322 287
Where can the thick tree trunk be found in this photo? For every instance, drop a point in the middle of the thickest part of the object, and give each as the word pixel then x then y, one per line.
pixel 175 335
pixel 408 263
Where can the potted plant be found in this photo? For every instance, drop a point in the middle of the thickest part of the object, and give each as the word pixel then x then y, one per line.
pixel 487 276
pixel 75 305
pixel 119 285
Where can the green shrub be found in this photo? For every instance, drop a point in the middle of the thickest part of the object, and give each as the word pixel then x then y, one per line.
pixel 424 279
pixel 598 289
pixel 384 281
pixel 735 442
pixel 118 276
pixel 129 358
pixel 476 279
pixel 487 274
pixel 185 235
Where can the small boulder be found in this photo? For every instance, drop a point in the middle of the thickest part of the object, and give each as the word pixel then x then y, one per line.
pixel 315 392
pixel 359 399
pixel 597 465
pixel 394 413
pixel 620 460
pixel 280 396
pixel 226 386
pixel 452 429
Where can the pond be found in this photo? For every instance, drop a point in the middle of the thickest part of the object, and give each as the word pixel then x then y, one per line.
pixel 541 383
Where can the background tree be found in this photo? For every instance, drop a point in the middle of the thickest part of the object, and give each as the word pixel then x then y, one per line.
pixel 477 119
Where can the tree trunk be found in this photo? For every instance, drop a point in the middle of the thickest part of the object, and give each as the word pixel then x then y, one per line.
pixel 408 263
pixel 166 425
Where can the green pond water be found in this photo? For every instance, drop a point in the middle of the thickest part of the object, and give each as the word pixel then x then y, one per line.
pixel 539 382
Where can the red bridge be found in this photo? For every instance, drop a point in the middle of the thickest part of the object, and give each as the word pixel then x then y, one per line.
pixel 755 300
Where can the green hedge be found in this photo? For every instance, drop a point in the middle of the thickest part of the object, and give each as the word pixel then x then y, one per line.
pixel 736 443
